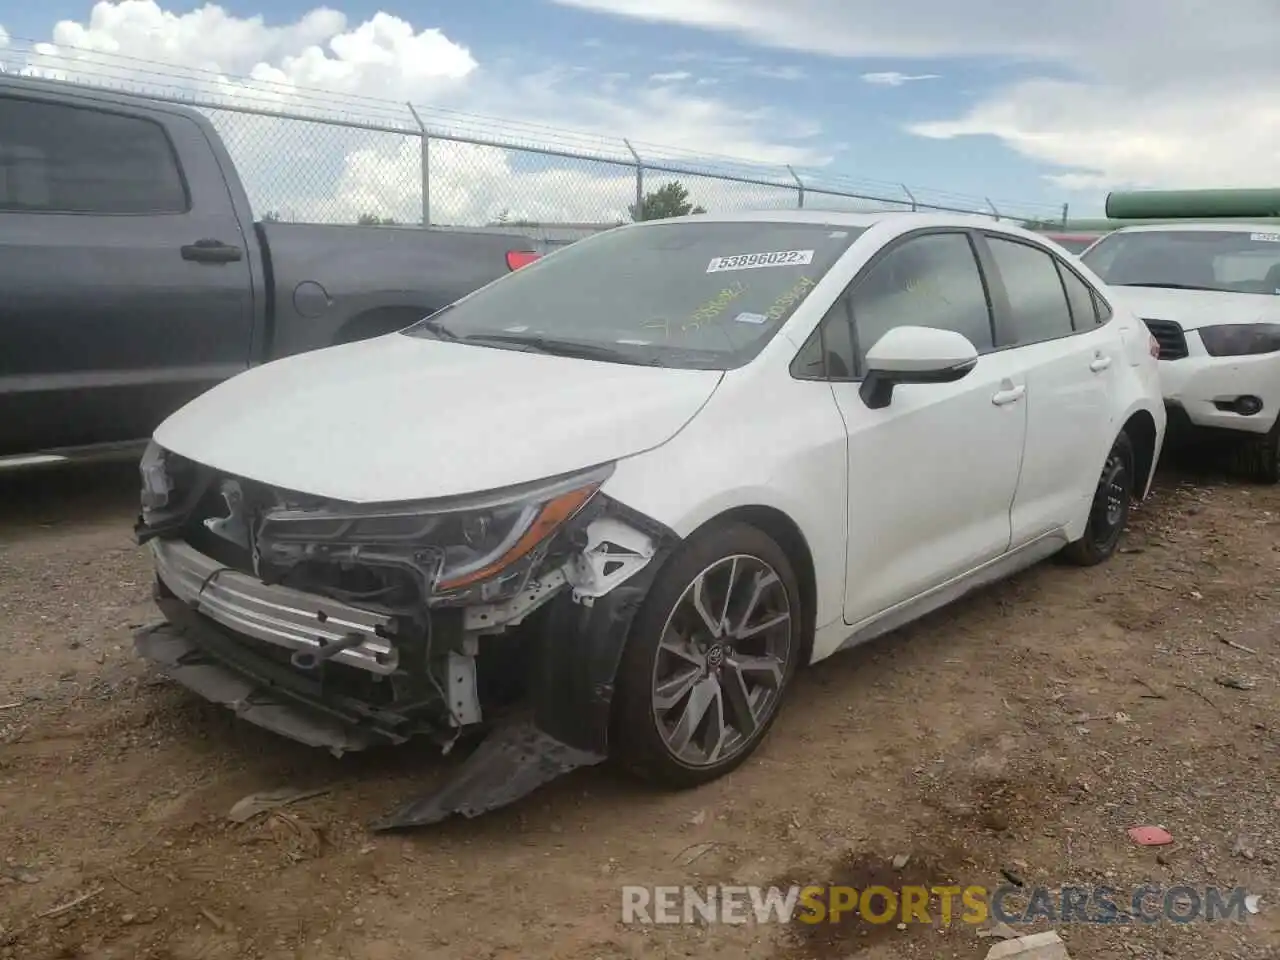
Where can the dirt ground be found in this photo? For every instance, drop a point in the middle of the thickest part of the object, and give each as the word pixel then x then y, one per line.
pixel 1024 730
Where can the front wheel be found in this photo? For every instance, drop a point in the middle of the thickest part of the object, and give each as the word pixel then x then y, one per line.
pixel 1109 511
pixel 1258 459
pixel 710 656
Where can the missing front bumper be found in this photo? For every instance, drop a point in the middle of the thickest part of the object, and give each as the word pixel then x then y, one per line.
pixel 221 625
pixel 513 761
pixel 179 656
pixel 296 621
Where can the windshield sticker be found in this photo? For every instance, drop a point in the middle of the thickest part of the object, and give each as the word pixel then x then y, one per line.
pixel 1266 237
pixel 753 261
pixel 789 299
pixel 751 318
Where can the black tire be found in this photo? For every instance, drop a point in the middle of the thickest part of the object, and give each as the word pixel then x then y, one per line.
pixel 1109 509
pixel 1258 458
pixel 639 746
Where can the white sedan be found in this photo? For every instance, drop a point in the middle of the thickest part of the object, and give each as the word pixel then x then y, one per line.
pixel 608 504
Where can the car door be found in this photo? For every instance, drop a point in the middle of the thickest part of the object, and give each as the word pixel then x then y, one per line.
pixel 932 475
pixel 1045 315
pixel 113 313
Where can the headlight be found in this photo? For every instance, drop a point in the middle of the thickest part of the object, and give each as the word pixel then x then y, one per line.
pixel 1241 339
pixel 156 482
pixel 456 544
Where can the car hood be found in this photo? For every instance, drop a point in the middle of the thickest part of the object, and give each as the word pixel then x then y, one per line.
pixel 1192 309
pixel 400 418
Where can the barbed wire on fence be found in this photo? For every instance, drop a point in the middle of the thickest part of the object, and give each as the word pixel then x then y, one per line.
pixel 319 156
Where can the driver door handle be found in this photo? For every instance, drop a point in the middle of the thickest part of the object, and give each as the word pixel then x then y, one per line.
pixel 211 251
pixel 1012 395
pixel 1100 363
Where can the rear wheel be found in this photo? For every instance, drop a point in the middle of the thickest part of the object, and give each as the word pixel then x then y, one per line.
pixel 1258 458
pixel 1109 510
pixel 711 654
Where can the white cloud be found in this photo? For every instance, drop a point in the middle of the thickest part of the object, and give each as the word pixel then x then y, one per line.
pixel 315 171
pixel 1169 95
pixel 674 76
pixel 892 78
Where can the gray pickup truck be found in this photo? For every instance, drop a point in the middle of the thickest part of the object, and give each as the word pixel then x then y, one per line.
pixel 133 276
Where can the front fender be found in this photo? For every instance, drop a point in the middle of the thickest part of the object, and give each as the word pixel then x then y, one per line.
pixel 580 646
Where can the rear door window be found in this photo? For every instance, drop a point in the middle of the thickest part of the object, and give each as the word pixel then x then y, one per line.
pixel 1037 300
pixel 56 158
pixel 1081 298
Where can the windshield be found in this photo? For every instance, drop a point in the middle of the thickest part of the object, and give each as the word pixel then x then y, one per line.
pixel 683 294
pixel 1228 261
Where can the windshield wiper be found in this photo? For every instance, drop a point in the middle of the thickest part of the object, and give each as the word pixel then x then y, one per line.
pixel 433 325
pixel 561 348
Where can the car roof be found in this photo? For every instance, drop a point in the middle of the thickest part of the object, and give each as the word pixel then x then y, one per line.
pixel 839 218
pixel 21 83
pixel 1210 226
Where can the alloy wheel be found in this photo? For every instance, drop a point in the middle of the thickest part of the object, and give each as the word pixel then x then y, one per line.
pixel 722 659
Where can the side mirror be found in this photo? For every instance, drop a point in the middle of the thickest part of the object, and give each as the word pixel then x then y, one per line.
pixel 914 355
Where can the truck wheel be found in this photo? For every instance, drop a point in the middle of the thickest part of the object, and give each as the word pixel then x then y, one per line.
pixel 1258 458
pixel 1109 510
pixel 711 654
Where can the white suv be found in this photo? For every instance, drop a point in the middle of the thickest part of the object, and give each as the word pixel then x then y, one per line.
pixel 635 485
pixel 1210 293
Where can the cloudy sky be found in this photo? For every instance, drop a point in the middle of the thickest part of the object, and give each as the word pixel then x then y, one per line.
pixel 1012 100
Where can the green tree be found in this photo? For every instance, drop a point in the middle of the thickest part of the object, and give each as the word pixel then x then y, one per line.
pixel 669 200
pixel 373 220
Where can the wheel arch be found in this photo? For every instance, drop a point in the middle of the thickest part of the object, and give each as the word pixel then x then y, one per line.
pixel 1143 433
pixel 784 531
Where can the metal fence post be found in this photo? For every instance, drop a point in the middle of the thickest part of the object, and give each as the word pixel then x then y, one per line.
pixel 994 211
pixel 799 187
pixel 426 166
pixel 910 197
pixel 1066 214
pixel 639 180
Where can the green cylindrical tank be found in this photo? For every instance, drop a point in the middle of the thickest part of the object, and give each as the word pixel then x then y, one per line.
pixel 1192 204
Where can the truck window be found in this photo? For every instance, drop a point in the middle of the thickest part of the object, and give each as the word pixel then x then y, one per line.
pixel 56 158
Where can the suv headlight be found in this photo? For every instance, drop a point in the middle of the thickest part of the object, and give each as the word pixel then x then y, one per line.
pixel 1240 339
pixel 157 485
pixel 457 544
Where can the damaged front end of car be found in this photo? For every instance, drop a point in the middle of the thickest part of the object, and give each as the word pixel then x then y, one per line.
pixel 348 626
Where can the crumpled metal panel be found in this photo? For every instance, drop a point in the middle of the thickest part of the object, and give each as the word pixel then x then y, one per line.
pixel 180 659
pixel 513 761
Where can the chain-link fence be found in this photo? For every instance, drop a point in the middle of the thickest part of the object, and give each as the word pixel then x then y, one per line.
pixel 317 157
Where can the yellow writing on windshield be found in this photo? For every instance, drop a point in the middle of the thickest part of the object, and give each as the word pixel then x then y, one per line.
pixel 789 299
pixel 714 307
